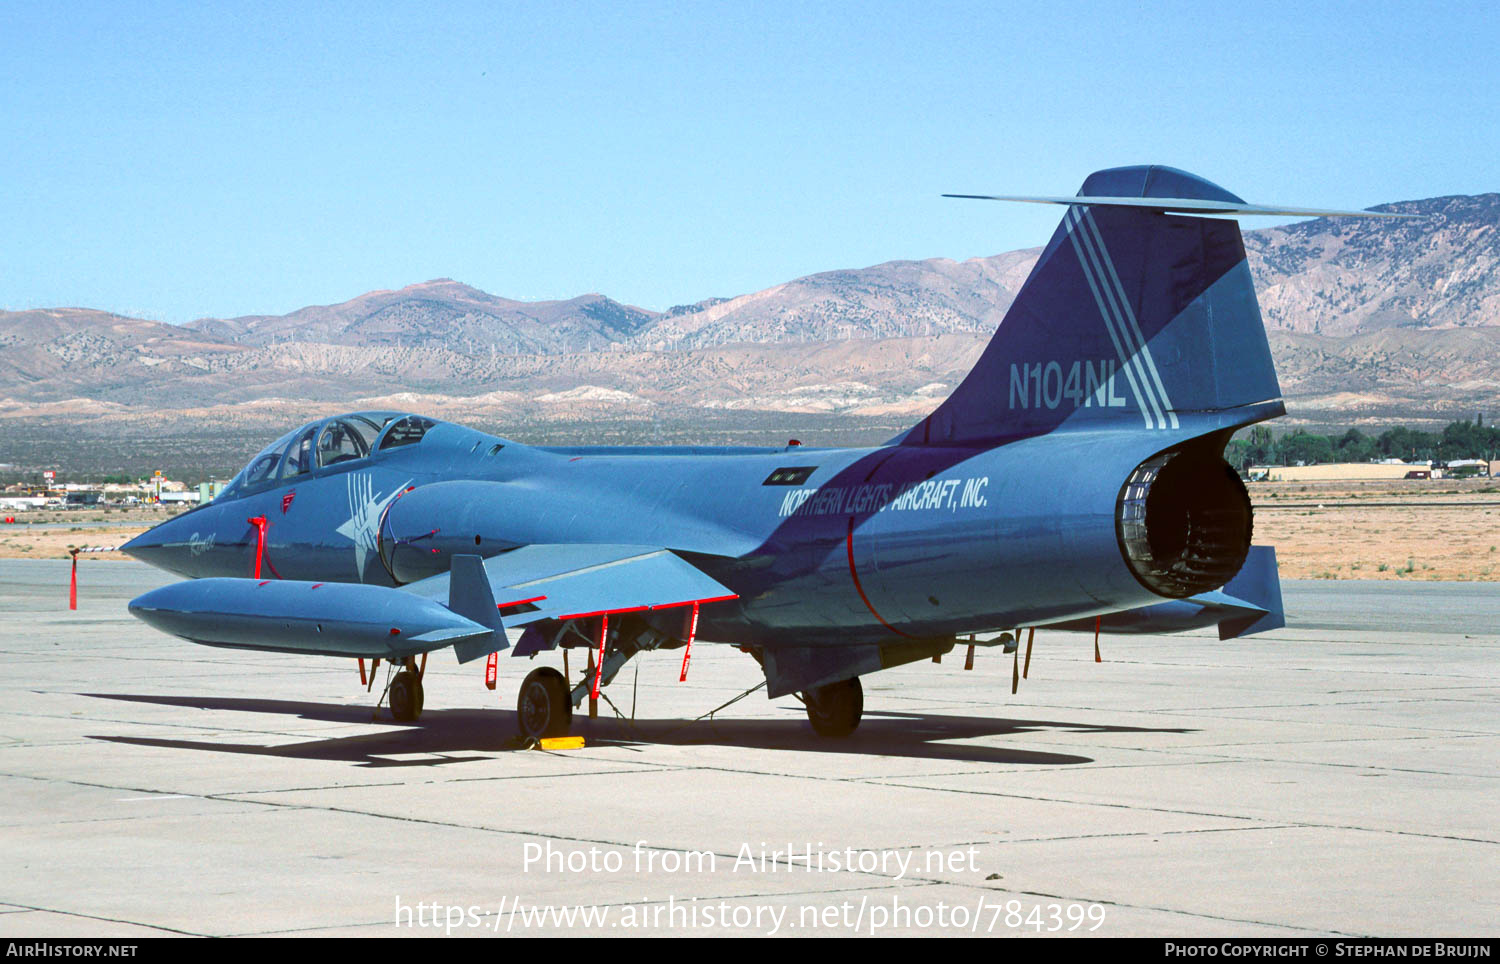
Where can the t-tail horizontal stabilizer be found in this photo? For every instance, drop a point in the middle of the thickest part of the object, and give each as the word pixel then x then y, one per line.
pixel 1180 205
pixel 1140 314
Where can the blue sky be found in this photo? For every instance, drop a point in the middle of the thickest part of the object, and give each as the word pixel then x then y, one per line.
pixel 181 161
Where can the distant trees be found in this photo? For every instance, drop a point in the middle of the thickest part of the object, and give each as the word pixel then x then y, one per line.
pixel 1306 448
pixel 1459 440
pixel 1470 437
pixel 1406 444
pixel 1355 446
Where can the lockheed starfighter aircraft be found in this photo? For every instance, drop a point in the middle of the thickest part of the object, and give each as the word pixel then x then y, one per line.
pixel 1075 478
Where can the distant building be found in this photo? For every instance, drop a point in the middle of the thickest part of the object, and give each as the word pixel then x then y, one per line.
pixel 1459 468
pixel 1340 472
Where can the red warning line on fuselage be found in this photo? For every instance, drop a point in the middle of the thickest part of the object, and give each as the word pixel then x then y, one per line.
pixel 854 575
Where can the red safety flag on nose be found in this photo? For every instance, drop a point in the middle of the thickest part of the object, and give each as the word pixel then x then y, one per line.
pixel 491 671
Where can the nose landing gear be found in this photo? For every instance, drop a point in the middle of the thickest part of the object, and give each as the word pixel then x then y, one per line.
pixel 835 709
pixel 405 694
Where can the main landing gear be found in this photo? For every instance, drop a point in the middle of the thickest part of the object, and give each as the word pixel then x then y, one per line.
pixel 405 694
pixel 545 705
pixel 835 709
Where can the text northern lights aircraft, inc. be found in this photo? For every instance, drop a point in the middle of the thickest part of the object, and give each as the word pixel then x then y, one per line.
pixel 1076 474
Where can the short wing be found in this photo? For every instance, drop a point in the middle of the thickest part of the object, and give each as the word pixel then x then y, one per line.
pixel 573 580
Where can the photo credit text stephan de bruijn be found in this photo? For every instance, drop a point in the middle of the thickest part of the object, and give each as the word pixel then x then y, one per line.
pixel 840 890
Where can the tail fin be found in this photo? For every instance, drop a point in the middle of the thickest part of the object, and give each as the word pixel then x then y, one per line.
pixel 1258 585
pixel 1132 316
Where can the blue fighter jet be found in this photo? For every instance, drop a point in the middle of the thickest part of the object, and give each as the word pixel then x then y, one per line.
pixel 1075 478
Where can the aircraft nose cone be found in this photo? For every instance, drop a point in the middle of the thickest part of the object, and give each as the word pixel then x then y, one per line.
pixel 141 545
pixel 164 546
pixel 148 547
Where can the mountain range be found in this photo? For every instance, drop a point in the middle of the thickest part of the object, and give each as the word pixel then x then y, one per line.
pixel 1369 321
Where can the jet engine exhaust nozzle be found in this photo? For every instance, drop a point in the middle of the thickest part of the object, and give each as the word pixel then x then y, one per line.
pixel 1184 522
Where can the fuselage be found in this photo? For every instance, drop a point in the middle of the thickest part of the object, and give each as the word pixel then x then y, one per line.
pixel 828 546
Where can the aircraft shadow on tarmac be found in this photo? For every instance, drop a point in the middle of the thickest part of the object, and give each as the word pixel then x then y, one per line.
pixel 445 735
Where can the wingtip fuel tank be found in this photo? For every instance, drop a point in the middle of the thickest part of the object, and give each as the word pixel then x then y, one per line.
pixel 327 619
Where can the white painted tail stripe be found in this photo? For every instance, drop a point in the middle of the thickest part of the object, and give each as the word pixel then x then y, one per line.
pixel 1116 338
pixel 1105 313
pixel 1133 324
pixel 1112 297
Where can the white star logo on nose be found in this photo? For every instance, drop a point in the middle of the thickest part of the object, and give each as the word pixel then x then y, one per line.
pixel 365 510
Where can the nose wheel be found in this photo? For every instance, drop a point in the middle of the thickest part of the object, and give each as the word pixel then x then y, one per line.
pixel 835 709
pixel 406 696
pixel 544 706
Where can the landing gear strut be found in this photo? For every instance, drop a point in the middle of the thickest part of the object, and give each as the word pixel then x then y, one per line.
pixel 835 710
pixel 406 696
pixel 545 706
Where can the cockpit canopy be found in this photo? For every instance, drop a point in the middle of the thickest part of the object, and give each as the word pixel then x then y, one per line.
pixel 327 442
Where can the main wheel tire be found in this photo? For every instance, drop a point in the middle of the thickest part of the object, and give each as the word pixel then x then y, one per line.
pixel 835 710
pixel 406 697
pixel 544 706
